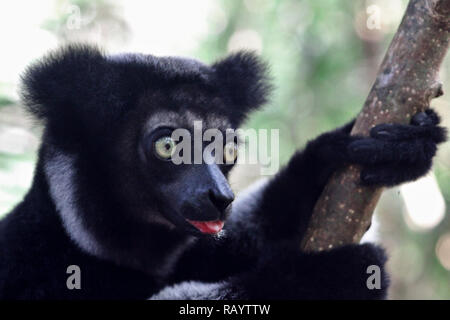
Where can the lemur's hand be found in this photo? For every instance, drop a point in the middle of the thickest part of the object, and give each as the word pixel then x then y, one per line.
pixel 396 153
pixel 340 273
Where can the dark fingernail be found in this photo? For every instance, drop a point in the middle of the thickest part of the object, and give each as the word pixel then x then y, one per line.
pixel 383 133
pixel 368 177
pixel 420 118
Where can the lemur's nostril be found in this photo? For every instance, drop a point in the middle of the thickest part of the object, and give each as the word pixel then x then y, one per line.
pixel 221 200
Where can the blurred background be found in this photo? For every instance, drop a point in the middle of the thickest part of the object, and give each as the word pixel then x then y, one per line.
pixel 324 57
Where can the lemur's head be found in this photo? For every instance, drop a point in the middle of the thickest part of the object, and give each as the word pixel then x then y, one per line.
pixel 108 144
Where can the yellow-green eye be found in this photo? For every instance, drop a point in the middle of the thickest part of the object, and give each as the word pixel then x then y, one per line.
pixel 230 152
pixel 165 147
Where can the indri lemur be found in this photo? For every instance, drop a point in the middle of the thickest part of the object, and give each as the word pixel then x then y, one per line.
pixel 139 226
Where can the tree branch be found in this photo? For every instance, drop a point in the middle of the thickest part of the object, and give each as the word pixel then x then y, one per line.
pixel 405 84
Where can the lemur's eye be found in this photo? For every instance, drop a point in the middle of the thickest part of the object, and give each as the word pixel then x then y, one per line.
pixel 230 152
pixel 165 147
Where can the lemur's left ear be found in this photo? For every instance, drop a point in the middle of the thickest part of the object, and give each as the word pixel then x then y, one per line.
pixel 245 80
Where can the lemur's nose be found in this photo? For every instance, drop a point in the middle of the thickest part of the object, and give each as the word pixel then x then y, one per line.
pixel 220 193
pixel 221 199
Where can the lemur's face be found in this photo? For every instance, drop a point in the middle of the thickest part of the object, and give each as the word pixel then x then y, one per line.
pixel 182 168
pixel 110 119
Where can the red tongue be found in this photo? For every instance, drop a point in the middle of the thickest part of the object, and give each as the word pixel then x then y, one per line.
pixel 209 227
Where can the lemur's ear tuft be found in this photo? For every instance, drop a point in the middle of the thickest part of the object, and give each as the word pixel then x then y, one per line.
pixel 245 80
pixel 62 81
pixel 75 90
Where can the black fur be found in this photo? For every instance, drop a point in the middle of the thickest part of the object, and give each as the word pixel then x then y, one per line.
pixel 99 202
pixel 245 78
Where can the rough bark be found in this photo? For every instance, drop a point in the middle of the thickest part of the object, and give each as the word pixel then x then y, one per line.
pixel 406 82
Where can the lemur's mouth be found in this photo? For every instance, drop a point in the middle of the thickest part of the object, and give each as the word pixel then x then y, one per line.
pixel 208 227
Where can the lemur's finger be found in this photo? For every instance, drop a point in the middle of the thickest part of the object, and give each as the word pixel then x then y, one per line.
pixel 427 118
pixel 391 175
pixel 423 125
pixel 367 151
pixel 370 151
pixel 399 132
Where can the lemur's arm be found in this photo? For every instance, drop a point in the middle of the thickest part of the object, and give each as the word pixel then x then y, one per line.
pixel 280 209
pixel 393 154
